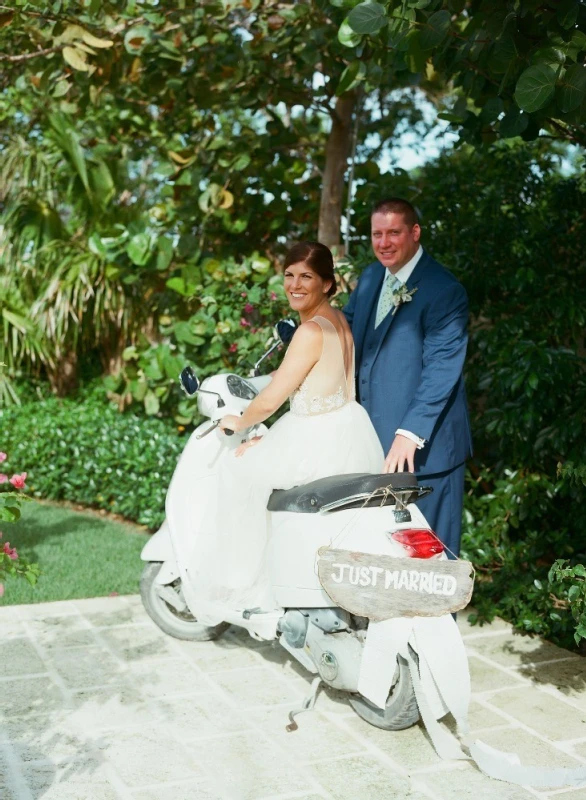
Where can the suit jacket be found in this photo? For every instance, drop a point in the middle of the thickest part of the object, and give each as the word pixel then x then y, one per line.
pixel 409 373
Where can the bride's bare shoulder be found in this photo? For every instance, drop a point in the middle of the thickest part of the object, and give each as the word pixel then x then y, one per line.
pixel 308 332
pixel 306 344
pixel 310 327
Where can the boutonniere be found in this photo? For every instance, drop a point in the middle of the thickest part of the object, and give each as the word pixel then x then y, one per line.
pixel 402 295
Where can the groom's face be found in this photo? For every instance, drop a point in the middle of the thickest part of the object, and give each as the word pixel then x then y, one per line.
pixel 394 241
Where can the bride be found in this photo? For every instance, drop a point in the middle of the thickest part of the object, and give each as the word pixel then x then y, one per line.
pixel 325 433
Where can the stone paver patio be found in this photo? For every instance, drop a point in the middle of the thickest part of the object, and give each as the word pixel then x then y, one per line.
pixel 97 704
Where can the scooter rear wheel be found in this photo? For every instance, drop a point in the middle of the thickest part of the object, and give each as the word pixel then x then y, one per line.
pixel 401 710
pixel 180 624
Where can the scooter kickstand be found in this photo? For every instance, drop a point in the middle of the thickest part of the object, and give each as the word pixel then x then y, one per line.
pixel 307 705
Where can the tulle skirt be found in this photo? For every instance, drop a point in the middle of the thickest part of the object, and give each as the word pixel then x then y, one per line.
pixel 228 560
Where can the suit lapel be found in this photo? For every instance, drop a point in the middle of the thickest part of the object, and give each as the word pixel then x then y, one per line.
pixel 412 282
pixel 374 282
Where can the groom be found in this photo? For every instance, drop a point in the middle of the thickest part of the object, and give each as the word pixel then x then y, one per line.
pixel 408 315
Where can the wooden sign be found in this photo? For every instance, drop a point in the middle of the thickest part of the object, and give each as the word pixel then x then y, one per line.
pixel 380 587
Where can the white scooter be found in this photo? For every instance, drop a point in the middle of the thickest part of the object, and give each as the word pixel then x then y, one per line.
pixel 364 513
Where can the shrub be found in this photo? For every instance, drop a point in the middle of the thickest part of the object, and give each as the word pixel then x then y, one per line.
pixel 218 317
pixel 83 450
pixel 12 563
pixel 516 524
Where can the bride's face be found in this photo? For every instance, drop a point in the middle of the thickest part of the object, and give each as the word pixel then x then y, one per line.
pixel 305 288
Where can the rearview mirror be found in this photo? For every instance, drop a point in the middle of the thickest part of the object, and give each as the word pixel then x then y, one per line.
pixel 188 381
pixel 285 329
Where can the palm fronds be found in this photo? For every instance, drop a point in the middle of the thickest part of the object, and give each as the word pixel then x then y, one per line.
pixel 78 302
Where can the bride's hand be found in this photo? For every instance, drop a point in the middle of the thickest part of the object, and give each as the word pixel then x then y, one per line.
pixel 231 422
pixel 245 445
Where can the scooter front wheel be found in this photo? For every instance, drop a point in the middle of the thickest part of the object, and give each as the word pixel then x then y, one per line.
pixel 401 710
pixel 170 618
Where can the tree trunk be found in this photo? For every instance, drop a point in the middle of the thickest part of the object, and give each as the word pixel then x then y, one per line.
pixel 111 349
pixel 63 377
pixel 337 152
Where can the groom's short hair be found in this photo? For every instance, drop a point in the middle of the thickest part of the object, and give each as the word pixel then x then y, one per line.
pixel 397 205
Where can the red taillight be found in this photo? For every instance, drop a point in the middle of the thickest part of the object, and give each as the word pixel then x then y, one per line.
pixel 419 542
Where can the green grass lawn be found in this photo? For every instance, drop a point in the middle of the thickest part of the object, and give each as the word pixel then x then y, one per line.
pixel 80 554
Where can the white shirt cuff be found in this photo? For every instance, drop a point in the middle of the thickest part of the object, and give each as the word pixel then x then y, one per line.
pixel 419 442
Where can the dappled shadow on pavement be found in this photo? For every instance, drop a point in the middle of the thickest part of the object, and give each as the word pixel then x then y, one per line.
pixel 99 704
pixel 68 683
pixel 532 658
pixel 550 665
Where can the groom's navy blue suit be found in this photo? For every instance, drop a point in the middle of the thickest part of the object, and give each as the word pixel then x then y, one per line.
pixel 409 376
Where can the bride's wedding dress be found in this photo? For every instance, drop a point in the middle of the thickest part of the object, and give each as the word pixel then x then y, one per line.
pixel 326 432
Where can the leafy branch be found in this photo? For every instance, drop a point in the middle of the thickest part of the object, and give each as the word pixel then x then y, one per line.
pixel 572 580
pixel 36 54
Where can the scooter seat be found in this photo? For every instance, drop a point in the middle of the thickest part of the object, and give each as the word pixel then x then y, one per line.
pixel 339 492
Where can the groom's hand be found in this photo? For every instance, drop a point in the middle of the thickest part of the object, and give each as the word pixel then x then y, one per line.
pixel 401 457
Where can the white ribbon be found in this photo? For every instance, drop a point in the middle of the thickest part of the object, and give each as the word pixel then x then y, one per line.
pixel 438 664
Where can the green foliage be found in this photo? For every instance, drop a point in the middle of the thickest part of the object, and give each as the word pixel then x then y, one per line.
pixel 515 525
pixel 571 579
pixel 517 64
pixel 10 503
pixel 218 317
pixel 213 107
pixel 567 576
pixel 367 18
pixel 139 144
pixel 84 451
pixel 12 563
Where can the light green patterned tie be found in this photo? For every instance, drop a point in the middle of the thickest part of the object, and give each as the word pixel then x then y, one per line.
pixel 385 302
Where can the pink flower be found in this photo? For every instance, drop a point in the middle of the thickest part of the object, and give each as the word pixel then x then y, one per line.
pixel 244 322
pixel 242 294
pixel 18 481
pixel 3 457
pixel 3 478
pixel 273 296
pixel 233 348
pixel 248 308
pixel 10 551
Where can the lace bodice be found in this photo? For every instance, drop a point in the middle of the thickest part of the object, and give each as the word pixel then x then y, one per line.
pixel 327 386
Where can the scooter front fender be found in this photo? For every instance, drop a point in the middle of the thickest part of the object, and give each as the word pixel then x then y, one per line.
pixel 159 548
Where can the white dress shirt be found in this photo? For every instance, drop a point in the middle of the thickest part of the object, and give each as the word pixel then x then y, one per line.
pixel 403 274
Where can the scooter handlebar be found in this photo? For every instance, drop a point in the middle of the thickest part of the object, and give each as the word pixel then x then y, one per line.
pixel 213 427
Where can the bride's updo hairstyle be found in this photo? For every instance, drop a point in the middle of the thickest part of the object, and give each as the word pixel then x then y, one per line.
pixel 318 257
